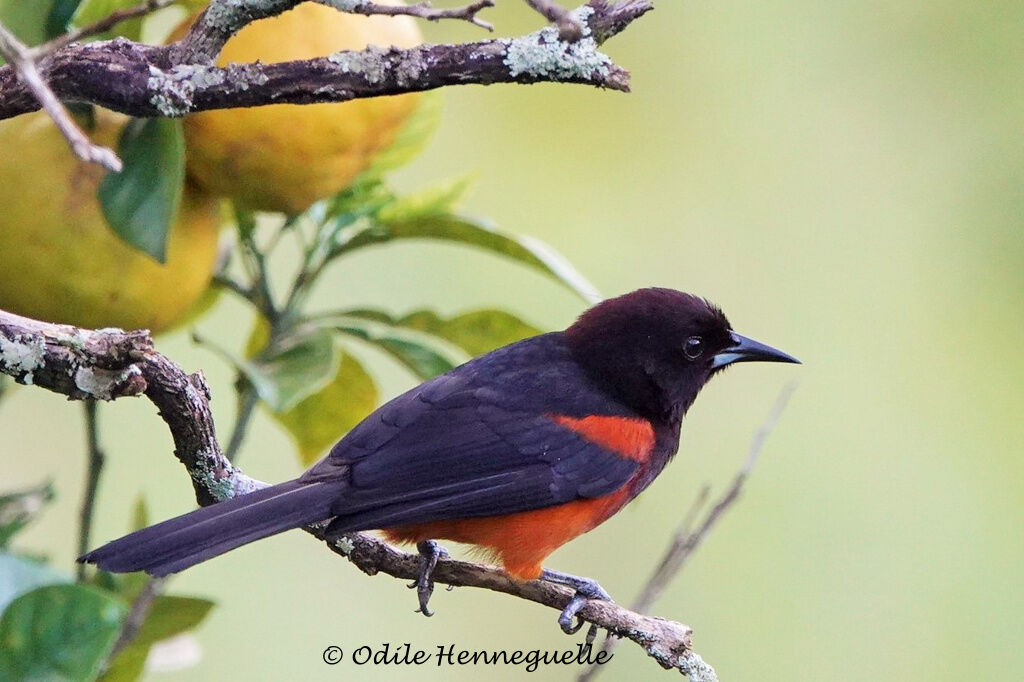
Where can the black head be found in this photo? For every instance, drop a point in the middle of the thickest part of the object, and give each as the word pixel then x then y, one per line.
pixel 656 348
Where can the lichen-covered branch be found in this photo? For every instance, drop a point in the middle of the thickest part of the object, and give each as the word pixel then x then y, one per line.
pixel 173 80
pixel 111 363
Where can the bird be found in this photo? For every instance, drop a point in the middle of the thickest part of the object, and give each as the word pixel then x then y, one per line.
pixel 515 452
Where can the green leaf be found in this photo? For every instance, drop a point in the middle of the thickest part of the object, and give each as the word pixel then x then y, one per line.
pixel 140 203
pixel 476 332
pixel 476 233
pixel 320 419
pixel 412 138
pixel 169 617
pixel 19 575
pixel 19 508
pixel 416 354
pixel 90 11
pixel 439 199
pixel 59 17
pixel 59 632
pixel 301 367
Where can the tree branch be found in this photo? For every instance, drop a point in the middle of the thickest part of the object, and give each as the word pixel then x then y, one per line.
pixel 173 80
pixel 110 364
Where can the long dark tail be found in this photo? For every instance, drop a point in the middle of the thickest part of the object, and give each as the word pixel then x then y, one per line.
pixel 191 538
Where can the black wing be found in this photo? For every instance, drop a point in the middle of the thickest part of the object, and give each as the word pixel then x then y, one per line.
pixel 478 441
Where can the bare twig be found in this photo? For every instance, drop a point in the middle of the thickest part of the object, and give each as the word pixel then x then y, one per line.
pixel 223 18
pixel 81 363
pixel 569 29
pixel 21 61
pixel 137 614
pixel 94 470
pixel 422 10
pixel 103 25
pixel 686 540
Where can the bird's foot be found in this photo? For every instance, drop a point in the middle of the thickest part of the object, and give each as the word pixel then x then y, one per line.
pixel 430 552
pixel 586 589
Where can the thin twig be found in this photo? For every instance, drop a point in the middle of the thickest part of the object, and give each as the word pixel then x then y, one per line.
pixel 686 541
pixel 422 10
pixel 137 614
pixel 108 22
pixel 569 29
pixel 247 402
pixel 19 57
pixel 92 482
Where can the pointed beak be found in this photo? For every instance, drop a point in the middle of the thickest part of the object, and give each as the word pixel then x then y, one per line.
pixel 748 350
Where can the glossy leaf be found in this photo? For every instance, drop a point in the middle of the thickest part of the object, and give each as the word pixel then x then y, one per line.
pixel 322 418
pixel 299 369
pixel 478 234
pixel 18 508
pixel 19 575
pixel 416 354
pixel 141 202
pixel 476 332
pixel 59 632
pixel 59 16
pixel 90 11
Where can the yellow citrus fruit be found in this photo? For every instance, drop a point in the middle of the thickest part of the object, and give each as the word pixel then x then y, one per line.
pixel 283 157
pixel 60 261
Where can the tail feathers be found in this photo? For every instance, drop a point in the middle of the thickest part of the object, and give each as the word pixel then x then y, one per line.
pixel 189 539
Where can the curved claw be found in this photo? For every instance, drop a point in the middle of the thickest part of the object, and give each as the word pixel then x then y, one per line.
pixel 430 552
pixel 586 589
pixel 565 618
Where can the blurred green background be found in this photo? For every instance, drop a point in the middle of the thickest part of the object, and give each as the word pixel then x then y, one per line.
pixel 847 180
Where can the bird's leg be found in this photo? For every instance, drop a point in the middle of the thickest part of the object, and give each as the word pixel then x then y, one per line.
pixel 430 552
pixel 586 589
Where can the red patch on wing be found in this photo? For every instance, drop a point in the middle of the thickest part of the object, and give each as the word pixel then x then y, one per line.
pixel 630 438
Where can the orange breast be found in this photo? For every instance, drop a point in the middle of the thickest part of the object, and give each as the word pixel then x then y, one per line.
pixel 522 541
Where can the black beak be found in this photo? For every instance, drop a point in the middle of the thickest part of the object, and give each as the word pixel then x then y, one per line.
pixel 748 350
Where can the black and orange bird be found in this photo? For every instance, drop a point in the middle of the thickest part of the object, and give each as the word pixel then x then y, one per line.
pixel 517 451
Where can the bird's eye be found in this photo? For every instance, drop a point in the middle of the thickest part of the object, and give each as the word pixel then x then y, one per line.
pixel 693 347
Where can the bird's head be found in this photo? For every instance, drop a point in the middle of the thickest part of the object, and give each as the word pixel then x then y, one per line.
pixel 657 347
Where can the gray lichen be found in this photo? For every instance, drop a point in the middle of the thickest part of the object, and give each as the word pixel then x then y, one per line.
pixel 345 545
pixel 104 384
pixel 346 5
pixel 209 473
pixel 172 90
pixel 696 669
pixel 368 63
pixel 543 53
pixel 244 76
pixel 22 355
